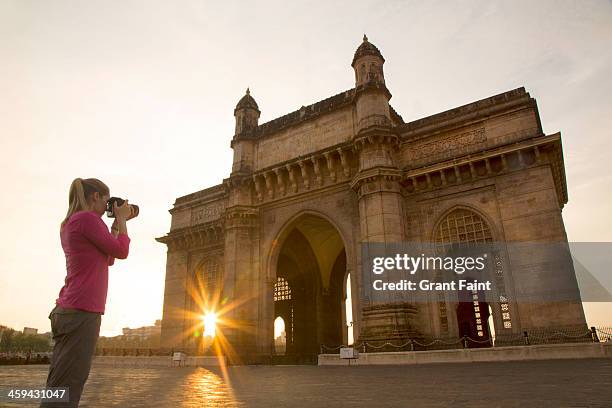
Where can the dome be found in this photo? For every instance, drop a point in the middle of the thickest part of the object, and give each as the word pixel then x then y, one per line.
pixel 247 101
pixel 366 48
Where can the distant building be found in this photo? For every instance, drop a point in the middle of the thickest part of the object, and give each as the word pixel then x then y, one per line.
pixel 48 335
pixel 30 331
pixel 142 332
pixel 280 343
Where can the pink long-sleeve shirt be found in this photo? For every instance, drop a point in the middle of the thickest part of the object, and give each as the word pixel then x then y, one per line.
pixel 89 248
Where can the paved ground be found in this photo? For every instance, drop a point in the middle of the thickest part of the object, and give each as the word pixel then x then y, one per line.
pixel 556 383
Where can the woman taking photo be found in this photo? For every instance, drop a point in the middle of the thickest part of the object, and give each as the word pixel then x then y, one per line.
pixel 89 248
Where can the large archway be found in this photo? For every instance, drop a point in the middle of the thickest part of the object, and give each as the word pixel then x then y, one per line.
pixel 310 291
pixel 458 234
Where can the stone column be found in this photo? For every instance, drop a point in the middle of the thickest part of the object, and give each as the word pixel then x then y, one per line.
pixel 241 282
pixel 386 317
pixel 175 302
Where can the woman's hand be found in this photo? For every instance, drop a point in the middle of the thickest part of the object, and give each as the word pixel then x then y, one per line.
pixel 123 211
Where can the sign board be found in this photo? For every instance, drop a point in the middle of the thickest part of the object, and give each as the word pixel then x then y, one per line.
pixel 349 352
pixel 178 356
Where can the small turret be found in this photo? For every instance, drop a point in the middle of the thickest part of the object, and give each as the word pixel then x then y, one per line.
pixel 246 114
pixel 368 64
pixel 372 95
pixel 247 117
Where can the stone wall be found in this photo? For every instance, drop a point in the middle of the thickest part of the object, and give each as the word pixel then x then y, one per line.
pixel 305 138
pixel 496 354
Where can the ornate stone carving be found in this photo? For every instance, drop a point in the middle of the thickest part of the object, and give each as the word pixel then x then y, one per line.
pixel 305 177
pixel 330 165
pixel 344 161
pixel 241 216
pixel 258 188
pixel 279 181
pixel 209 212
pixel 316 169
pixel 292 180
pixel 269 188
pixel 210 233
pixel 376 180
pixel 447 144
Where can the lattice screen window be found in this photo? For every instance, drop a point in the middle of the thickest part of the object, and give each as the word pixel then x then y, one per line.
pixel 462 226
pixel 282 291
pixel 210 275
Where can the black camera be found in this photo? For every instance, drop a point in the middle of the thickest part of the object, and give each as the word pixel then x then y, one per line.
pixel 109 207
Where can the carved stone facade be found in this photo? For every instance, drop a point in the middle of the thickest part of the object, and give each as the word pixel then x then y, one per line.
pixel 309 188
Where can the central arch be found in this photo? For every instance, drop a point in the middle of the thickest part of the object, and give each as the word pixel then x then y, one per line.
pixel 309 270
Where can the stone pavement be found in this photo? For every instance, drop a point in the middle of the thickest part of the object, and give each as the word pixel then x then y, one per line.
pixel 552 383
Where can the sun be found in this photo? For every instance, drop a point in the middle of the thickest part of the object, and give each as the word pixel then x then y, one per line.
pixel 210 324
pixel 211 317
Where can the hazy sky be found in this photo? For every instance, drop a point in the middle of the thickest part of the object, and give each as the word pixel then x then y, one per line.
pixel 140 94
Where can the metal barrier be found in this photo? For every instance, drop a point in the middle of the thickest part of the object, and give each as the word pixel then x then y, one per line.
pixel 602 334
pixel 533 337
pixel 127 351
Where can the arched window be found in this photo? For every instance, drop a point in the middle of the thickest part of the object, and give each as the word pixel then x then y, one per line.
pixel 373 71
pixel 464 227
pixel 210 276
pixel 282 291
pixel 204 290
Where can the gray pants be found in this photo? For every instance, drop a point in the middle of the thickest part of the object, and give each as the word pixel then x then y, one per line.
pixel 75 333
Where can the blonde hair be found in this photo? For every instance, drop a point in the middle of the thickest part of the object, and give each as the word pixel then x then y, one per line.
pixel 80 190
